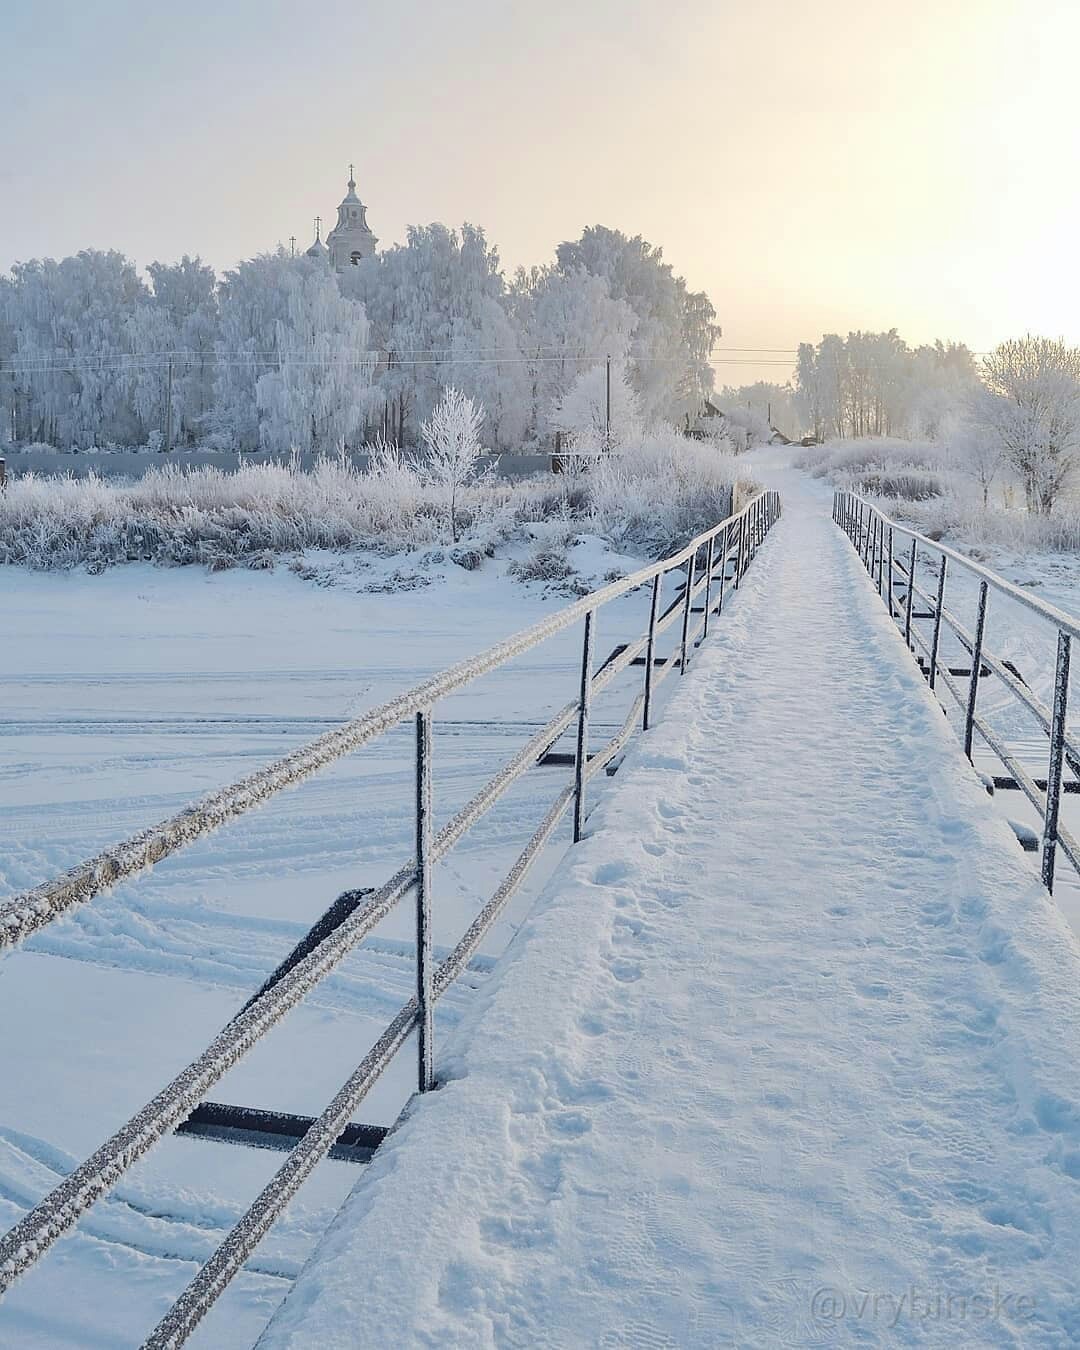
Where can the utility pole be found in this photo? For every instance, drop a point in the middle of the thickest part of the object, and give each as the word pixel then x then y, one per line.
pixel 168 410
pixel 607 434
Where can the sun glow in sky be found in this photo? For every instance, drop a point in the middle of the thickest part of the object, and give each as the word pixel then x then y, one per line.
pixel 814 167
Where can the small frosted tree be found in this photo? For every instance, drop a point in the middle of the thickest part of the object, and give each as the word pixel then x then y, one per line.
pixel 581 414
pixel 1032 409
pixel 452 438
pixel 975 452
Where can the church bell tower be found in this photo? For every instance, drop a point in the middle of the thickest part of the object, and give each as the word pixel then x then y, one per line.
pixel 351 239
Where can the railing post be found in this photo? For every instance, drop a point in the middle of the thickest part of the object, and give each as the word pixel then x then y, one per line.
pixel 687 601
pixel 723 567
pixel 650 650
pixel 910 589
pixel 936 641
pixel 424 1002
pixel 708 586
pixel 1057 749
pixel 739 550
pixel 888 583
pixel 976 663
pixel 582 757
pixel 871 526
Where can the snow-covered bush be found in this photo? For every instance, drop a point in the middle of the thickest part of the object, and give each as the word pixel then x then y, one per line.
pixel 959 488
pixel 882 467
pixel 650 497
pixel 967 523
pixel 744 428
pixel 656 494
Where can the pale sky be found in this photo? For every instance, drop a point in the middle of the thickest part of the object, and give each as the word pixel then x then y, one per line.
pixel 814 166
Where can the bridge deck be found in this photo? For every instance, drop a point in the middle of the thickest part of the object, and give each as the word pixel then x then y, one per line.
pixel 796 1016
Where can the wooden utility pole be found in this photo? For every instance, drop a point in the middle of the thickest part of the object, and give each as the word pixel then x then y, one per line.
pixel 607 433
pixel 168 410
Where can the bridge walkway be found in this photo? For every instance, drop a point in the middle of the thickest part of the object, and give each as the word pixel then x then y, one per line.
pixel 785 1054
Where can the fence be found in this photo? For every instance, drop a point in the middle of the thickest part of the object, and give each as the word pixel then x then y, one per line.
pixel 874 536
pixel 730 544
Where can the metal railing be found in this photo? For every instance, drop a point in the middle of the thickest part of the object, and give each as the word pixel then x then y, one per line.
pixel 894 572
pixel 731 544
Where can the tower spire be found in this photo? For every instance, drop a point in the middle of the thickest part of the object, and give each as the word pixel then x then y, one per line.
pixel 318 228
pixel 352 181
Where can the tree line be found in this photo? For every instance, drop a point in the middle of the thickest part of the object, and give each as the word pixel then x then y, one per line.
pixel 1016 408
pixel 280 353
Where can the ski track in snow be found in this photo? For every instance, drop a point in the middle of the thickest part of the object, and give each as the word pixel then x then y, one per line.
pixel 796 1017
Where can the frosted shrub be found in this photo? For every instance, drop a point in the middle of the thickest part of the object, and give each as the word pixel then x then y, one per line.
pixel 967 522
pixel 655 495
pixel 845 462
pixel 943 489
pixel 648 498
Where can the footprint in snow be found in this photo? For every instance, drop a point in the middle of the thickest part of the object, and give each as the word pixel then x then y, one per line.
pixel 626 972
pixel 609 874
pixel 572 1123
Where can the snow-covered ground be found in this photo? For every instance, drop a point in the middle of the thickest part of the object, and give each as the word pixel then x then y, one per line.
pixel 122 696
pixel 783 1056
pixel 868 999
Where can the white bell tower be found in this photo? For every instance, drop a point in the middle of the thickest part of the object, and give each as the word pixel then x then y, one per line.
pixel 351 240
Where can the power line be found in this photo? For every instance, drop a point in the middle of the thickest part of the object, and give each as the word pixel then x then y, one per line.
pixel 134 363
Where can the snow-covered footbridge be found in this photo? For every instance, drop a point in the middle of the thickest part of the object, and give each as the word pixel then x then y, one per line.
pixel 785 1051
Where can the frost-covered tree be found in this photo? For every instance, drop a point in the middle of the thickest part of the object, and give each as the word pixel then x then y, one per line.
pixel 294 365
pixel 184 328
pixel 874 384
pixel 975 451
pixel 438 307
pixel 581 414
pixel 744 427
pixel 567 320
pixel 674 331
pixel 252 301
pixel 451 436
pixel 1031 407
pixel 318 395
pixel 8 381
pixel 772 405
pixel 70 325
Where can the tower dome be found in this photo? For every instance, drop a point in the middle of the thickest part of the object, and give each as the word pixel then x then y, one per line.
pixel 318 250
pixel 351 239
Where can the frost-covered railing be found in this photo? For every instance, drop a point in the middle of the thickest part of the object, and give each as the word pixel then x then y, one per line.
pixel 733 542
pixel 894 572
